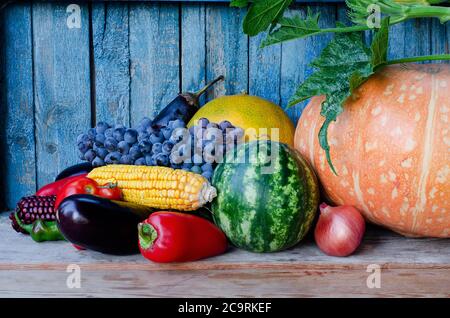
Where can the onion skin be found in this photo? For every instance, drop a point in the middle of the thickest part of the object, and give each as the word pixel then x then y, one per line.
pixel 339 230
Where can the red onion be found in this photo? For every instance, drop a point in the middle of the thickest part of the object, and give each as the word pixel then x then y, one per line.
pixel 339 230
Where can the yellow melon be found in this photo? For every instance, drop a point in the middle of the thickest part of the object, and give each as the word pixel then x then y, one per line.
pixel 251 113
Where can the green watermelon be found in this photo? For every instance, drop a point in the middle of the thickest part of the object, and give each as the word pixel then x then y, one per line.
pixel 265 205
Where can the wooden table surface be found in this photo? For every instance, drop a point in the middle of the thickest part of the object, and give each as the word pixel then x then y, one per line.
pixel 409 267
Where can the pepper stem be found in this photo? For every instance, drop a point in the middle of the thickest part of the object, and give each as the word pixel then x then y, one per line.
pixel 109 185
pixel 147 235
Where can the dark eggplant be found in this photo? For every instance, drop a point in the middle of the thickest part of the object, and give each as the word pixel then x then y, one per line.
pixel 102 225
pixel 183 107
pixel 74 170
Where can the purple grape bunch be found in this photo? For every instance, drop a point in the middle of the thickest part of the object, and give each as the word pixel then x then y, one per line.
pixel 197 149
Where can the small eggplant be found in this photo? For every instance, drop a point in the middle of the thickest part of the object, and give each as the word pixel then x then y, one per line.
pixel 183 107
pixel 74 170
pixel 102 225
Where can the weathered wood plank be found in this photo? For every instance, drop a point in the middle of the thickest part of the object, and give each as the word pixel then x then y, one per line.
pixel 193 48
pixel 440 38
pixel 227 50
pixel 298 54
pixel 264 69
pixel 111 62
pixel 411 38
pixel 221 43
pixel 347 282
pixel 154 54
pixel 17 146
pixel 409 267
pixel 379 247
pixel 62 87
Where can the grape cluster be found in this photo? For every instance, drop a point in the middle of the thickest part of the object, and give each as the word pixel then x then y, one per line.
pixel 205 145
pixel 197 149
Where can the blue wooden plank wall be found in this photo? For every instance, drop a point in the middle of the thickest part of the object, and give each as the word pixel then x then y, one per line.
pixel 127 60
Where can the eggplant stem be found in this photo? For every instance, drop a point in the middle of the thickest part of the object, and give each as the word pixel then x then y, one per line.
pixel 207 86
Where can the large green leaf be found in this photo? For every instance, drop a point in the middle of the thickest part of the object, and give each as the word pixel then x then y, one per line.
pixel 296 27
pixel 345 55
pixel 239 3
pixel 342 67
pixel 379 47
pixel 262 14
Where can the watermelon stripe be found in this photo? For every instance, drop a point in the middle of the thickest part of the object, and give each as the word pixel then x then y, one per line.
pixel 296 177
pixel 280 214
pixel 264 225
pixel 264 212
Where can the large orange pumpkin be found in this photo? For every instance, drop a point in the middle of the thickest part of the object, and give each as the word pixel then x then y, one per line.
pixel 391 149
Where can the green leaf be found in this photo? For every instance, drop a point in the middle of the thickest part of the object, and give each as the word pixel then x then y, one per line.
pixel 239 3
pixel 296 27
pixel 342 67
pixel 380 43
pixel 345 55
pixel 345 50
pixel 359 77
pixel 262 14
pixel 359 13
pixel 345 63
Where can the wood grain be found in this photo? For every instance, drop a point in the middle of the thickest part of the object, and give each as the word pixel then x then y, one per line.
pixel 379 246
pixel 297 55
pixel 409 267
pixel 193 48
pixel 264 63
pixel 226 283
pixel 61 87
pixel 154 54
pixel 141 58
pixel 227 50
pixel 17 145
pixel 409 39
pixel 111 62
pixel 440 38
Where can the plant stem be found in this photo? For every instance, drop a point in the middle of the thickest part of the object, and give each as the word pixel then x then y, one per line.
pixel 445 57
pixel 443 13
pixel 354 28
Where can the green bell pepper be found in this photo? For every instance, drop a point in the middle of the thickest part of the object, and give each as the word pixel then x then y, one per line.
pixel 41 231
pixel 45 231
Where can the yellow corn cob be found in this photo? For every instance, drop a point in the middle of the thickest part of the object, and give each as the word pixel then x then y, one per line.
pixel 158 187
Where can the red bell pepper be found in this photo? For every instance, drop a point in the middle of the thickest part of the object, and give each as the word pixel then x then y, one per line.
pixel 177 237
pixel 86 185
pixel 54 187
